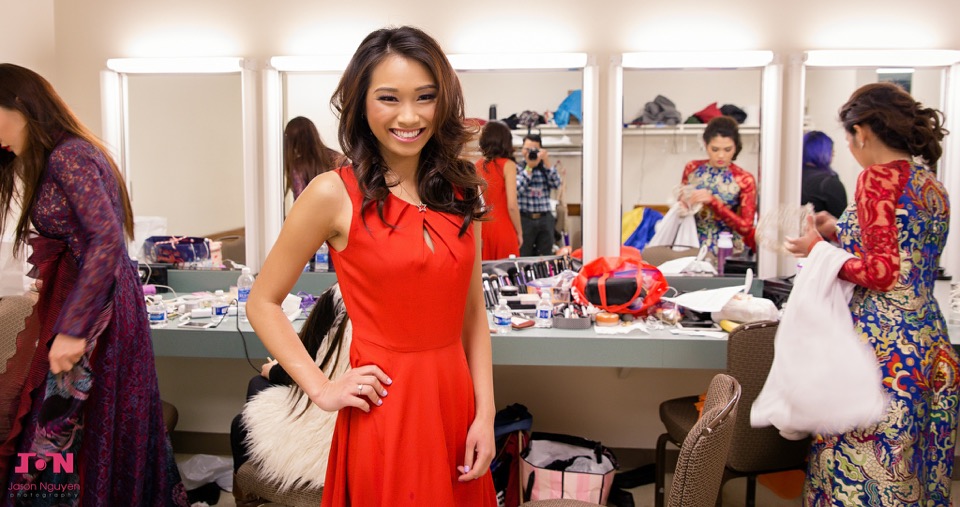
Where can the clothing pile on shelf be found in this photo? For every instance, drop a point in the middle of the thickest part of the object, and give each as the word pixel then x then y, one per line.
pixel 659 111
pixel 712 111
pixel 568 112
pixel 662 111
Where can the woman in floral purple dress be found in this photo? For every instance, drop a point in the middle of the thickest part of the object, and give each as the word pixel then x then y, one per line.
pixel 81 392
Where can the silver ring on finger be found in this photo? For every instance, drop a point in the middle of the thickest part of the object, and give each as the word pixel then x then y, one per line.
pixel 359 389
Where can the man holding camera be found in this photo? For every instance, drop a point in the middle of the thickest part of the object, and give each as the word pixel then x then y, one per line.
pixel 534 184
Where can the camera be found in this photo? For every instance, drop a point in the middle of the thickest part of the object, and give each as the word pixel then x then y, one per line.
pixel 532 153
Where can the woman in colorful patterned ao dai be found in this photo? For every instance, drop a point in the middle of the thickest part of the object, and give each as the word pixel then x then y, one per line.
pixel 896 229
pixel 727 192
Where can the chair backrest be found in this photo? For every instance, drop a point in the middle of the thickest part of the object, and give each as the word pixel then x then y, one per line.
pixel 749 358
pixel 703 454
pixel 14 311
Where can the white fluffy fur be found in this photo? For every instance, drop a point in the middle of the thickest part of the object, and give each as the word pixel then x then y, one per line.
pixel 292 450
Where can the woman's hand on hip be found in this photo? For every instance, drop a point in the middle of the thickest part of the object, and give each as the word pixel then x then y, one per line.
pixel 65 352
pixel 358 387
pixel 480 450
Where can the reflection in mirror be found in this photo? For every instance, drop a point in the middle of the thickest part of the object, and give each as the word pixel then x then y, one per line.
pixel 831 76
pixel 307 95
pixel 185 153
pixel 508 93
pixel 663 114
pixel 828 88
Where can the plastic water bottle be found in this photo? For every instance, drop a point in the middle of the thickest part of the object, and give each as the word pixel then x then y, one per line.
pixel 321 261
pixel 545 310
pixel 156 313
pixel 724 249
pixel 501 317
pixel 220 303
pixel 244 283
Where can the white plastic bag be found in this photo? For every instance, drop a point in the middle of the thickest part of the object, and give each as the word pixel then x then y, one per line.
pixel 203 469
pixel 746 308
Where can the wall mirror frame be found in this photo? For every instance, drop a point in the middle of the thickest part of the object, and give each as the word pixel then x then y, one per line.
pixel 273 184
pixel 949 62
pixel 769 129
pixel 272 181
pixel 115 110
pixel 468 63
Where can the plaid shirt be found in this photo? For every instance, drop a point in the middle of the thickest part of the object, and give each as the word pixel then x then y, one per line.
pixel 533 190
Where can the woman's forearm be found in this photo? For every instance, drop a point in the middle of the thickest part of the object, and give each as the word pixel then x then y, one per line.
pixel 274 330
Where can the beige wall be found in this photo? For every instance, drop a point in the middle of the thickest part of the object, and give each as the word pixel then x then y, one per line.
pixel 27 37
pixel 592 402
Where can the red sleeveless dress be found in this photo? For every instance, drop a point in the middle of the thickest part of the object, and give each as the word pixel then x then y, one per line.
pixel 406 303
pixel 498 235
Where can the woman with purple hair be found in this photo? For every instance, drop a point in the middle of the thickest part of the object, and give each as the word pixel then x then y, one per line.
pixel 821 186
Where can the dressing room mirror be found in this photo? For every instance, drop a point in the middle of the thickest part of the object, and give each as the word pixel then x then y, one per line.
pixel 931 76
pixel 667 98
pixel 828 85
pixel 295 86
pixel 504 86
pixel 179 138
pixel 302 86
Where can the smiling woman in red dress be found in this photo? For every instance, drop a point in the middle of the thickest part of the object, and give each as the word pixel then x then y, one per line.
pixel 416 408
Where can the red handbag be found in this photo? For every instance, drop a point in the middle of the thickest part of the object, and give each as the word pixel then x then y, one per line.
pixel 624 284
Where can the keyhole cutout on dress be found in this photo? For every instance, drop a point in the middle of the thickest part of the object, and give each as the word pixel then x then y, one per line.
pixel 427 239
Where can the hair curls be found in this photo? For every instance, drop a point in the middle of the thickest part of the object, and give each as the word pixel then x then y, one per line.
pixel 898 121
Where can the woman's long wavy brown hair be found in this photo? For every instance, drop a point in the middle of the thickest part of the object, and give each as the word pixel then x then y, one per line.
pixel 446 182
pixel 898 120
pixel 48 120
